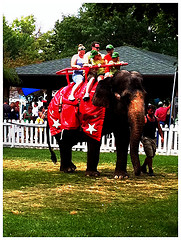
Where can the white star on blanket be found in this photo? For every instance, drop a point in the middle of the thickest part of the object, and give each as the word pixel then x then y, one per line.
pixel 56 123
pixel 91 128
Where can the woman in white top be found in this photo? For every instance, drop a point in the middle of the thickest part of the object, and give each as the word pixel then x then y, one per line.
pixel 77 61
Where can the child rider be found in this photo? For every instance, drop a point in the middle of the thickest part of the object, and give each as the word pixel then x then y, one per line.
pixel 115 60
pixel 96 60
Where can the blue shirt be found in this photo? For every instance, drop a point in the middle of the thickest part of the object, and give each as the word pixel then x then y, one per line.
pixel 79 62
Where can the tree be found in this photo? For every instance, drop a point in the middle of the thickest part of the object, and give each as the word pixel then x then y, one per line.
pixel 18 39
pixel 68 34
pixel 45 43
pixel 163 24
pixel 18 49
pixel 25 25
pixel 149 26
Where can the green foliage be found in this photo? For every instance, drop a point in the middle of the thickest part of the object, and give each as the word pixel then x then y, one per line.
pixel 45 43
pixel 18 39
pixel 26 25
pixel 10 76
pixel 18 47
pixel 150 26
pixel 21 47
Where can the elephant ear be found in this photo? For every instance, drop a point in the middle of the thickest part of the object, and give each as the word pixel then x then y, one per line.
pixel 103 93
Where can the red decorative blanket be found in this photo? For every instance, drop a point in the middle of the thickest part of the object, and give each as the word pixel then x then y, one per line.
pixel 65 114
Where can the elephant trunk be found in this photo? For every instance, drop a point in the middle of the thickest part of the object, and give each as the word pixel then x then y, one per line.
pixel 136 120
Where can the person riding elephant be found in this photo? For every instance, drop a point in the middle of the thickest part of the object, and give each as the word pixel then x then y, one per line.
pixel 122 97
pixel 77 61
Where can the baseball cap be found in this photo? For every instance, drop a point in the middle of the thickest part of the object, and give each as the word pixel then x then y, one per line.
pixel 160 103
pixel 97 45
pixel 109 46
pixel 115 55
pixel 93 53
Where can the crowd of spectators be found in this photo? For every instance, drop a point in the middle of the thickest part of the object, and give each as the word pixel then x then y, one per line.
pixel 34 112
pixel 29 112
pixel 10 111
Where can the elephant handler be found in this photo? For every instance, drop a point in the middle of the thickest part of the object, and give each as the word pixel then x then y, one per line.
pixel 149 138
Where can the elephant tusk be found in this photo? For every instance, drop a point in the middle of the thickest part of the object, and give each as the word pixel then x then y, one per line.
pixel 118 96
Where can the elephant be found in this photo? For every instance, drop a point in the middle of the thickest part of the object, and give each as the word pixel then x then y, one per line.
pixel 123 98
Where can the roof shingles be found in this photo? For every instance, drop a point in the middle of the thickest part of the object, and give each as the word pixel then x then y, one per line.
pixel 145 62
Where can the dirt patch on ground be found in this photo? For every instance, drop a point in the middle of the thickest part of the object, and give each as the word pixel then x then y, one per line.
pixel 102 190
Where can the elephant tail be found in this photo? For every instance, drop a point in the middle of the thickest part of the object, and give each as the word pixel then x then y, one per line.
pixel 53 155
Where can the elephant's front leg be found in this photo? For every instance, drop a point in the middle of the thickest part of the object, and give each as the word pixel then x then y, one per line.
pixel 122 142
pixel 92 157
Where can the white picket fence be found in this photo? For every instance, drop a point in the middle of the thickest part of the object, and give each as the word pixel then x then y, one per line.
pixel 17 133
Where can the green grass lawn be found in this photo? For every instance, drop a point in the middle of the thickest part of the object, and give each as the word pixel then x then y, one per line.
pixel 41 201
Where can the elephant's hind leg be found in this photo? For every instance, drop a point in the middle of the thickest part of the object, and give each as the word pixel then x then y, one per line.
pixel 65 145
pixel 66 163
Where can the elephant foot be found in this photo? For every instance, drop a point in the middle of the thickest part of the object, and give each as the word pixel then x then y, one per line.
pixel 143 169
pixel 92 173
pixel 69 169
pixel 121 175
pixel 137 171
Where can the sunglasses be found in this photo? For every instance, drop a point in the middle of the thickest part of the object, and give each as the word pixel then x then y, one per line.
pixel 81 49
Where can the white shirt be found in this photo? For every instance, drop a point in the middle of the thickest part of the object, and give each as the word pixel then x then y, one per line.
pixel 35 111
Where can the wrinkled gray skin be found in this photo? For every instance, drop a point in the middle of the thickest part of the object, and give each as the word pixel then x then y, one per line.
pixel 123 97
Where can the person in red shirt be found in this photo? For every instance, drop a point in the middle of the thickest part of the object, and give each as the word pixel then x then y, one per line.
pixel 161 113
pixel 108 57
